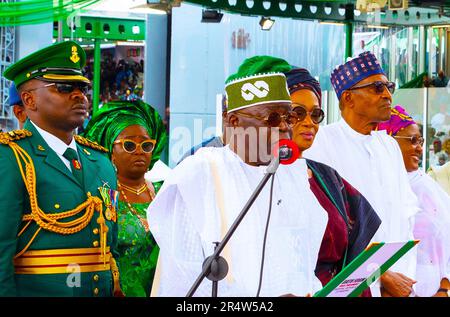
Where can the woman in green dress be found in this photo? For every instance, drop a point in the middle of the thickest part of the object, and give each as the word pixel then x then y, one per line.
pixel 135 136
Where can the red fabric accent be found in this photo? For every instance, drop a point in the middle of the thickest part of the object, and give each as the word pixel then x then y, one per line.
pixel 335 239
pixel 56 265
pixel 60 255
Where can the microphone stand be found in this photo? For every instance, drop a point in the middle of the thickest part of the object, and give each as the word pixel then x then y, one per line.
pixel 215 267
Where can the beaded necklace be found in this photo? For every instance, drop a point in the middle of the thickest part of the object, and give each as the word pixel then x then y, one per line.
pixel 142 220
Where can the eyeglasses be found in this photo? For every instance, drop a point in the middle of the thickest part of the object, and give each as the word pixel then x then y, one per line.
pixel 317 115
pixel 130 146
pixel 274 118
pixel 66 88
pixel 379 86
pixel 415 140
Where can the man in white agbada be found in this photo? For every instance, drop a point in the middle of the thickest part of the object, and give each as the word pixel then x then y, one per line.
pixel 205 193
pixel 371 160
pixel 433 221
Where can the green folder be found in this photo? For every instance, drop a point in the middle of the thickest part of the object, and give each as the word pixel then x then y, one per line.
pixel 345 284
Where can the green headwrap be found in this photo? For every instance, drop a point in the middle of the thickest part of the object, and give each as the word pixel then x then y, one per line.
pixel 115 116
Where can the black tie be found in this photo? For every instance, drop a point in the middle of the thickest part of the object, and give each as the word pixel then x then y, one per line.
pixel 75 165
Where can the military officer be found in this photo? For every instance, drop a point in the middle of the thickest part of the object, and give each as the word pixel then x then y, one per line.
pixel 58 195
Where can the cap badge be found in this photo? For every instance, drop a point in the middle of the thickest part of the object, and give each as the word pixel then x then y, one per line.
pixel 74 58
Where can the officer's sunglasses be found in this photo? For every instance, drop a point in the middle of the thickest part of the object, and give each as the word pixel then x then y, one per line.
pixel 130 146
pixel 274 118
pixel 378 86
pixel 317 115
pixel 415 140
pixel 66 88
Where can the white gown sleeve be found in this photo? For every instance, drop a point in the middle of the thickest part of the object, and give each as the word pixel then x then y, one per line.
pixel 181 253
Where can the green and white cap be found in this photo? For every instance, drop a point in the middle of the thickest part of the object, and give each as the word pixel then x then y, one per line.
pixel 257 90
pixel 259 81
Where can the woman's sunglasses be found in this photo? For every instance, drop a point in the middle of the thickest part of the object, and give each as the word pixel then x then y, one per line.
pixel 415 140
pixel 378 86
pixel 67 88
pixel 274 119
pixel 130 146
pixel 317 115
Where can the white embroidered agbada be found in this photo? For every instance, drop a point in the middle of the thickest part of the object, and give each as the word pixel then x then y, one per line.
pixel 432 227
pixel 198 203
pixel 373 164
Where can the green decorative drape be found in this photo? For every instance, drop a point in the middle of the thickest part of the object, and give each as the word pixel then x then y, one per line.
pixel 39 11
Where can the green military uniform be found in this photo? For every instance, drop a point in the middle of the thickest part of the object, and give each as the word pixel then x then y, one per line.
pixel 57 236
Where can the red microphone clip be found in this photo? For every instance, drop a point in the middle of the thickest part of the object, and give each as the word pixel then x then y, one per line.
pixel 294 151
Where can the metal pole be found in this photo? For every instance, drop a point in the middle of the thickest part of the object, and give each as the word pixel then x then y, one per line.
pixel 446 54
pixel 425 154
pixel 60 26
pixel 348 40
pixel 426 48
pixel 409 50
pixel 60 31
pixel 440 51
pixel 349 18
pixel 422 48
pixel 96 83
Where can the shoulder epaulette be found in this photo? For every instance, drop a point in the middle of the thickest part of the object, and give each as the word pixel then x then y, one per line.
pixel 89 143
pixel 11 136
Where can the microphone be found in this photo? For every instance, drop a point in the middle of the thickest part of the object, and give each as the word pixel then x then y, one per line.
pixel 286 151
